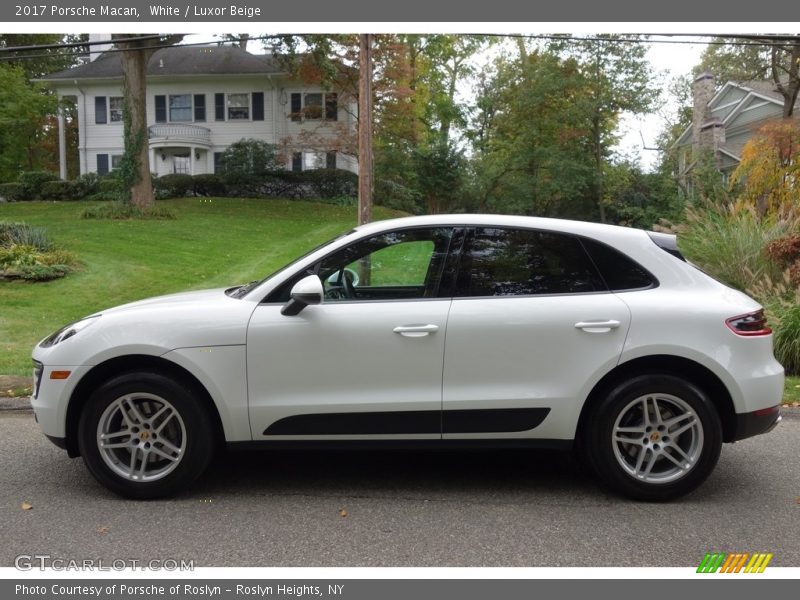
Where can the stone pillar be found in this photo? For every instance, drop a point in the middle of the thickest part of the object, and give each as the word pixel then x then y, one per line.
pixel 702 93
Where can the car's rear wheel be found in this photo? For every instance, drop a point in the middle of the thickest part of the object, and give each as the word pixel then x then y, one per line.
pixel 654 437
pixel 145 435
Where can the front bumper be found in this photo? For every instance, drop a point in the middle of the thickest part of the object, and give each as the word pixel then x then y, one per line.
pixel 756 422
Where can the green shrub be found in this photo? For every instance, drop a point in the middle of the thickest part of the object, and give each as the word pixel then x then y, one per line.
pixel 56 190
pixel 121 211
pixel 84 186
pixel 31 183
pixel 174 185
pixel 250 157
pixel 106 189
pixel 22 234
pixel 331 183
pixel 11 191
pixel 27 254
pixel 208 184
pixel 728 242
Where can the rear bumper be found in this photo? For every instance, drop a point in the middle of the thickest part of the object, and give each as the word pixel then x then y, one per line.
pixel 756 422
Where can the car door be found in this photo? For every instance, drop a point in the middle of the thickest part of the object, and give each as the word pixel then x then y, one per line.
pixel 531 327
pixel 367 362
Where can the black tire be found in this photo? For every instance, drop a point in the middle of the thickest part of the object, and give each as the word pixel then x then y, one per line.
pixel 193 426
pixel 613 461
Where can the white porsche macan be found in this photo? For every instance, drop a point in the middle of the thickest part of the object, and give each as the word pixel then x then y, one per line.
pixel 434 332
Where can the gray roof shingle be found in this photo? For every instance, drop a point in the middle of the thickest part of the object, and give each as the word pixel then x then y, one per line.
pixel 178 60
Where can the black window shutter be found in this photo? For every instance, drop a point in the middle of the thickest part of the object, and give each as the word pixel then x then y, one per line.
pixel 102 164
pixel 296 107
pixel 161 109
pixel 199 107
pixel 331 106
pixel 100 114
pixel 330 160
pixel 219 107
pixel 258 106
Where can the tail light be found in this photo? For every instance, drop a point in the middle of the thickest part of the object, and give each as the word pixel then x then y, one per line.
pixel 754 323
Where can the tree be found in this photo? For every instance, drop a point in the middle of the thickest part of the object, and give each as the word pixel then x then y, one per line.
pixel 619 80
pixel 25 110
pixel 768 173
pixel 134 168
pixel 36 61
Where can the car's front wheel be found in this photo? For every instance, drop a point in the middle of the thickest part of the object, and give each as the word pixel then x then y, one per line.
pixel 145 435
pixel 654 437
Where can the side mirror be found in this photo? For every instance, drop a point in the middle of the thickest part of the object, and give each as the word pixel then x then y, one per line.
pixel 305 292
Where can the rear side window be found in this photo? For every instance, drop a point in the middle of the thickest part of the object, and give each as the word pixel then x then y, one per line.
pixel 523 262
pixel 619 272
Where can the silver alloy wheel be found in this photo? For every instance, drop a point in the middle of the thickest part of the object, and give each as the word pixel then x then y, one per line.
pixel 141 437
pixel 657 438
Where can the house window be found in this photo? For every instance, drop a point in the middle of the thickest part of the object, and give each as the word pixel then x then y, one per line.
pixel 297 161
pixel 180 108
pixel 116 159
pixel 115 104
pixel 238 107
pixel 218 166
pixel 102 164
pixel 330 160
pixel 314 106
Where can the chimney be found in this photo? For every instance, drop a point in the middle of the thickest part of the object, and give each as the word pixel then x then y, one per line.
pixel 96 50
pixel 702 93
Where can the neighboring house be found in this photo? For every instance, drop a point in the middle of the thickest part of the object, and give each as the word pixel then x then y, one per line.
pixel 201 99
pixel 723 121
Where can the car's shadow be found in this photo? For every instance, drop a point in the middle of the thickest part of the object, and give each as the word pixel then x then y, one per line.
pixel 515 474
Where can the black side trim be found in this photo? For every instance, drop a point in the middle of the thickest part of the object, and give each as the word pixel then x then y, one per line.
pixel 402 444
pixel 358 423
pixel 502 420
pixel 753 423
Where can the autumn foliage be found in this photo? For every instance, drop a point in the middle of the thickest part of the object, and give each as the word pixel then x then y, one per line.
pixel 768 175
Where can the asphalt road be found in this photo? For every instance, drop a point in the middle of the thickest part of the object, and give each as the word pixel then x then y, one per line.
pixel 506 508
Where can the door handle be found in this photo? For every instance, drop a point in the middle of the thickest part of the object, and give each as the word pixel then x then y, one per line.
pixel 416 330
pixel 597 326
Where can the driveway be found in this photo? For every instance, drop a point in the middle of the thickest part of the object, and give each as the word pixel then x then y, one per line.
pixel 520 508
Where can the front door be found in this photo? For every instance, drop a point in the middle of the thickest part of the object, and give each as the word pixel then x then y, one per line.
pixel 367 362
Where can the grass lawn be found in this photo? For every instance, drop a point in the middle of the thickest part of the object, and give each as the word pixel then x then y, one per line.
pixel 213 243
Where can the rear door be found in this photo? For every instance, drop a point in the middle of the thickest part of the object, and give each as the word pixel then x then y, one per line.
pixel 531 328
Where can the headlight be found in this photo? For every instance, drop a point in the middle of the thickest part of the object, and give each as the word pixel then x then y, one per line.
pixel 67 332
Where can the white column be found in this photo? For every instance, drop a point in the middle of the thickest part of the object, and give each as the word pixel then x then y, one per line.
pixel 62 145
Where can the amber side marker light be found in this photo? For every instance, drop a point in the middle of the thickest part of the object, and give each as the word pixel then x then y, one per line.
pixel 60 374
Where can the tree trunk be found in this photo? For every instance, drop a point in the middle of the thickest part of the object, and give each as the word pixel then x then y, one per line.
pixel 135 56
pixel 790 87
pixel 365 174
pixel 598 161
pixel 134 85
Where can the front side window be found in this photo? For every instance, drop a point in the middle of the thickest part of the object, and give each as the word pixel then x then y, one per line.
pixel 522 262
pixel 400 265
pixel 180 108
pixel 238 106
pixel 313 106
pixel 115 104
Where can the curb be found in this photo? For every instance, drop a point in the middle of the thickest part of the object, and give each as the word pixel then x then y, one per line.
pixel 15 404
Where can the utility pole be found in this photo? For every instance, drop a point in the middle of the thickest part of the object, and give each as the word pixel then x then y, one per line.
pixel 365 173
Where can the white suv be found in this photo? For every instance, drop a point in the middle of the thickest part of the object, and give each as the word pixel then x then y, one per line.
pixel 433 332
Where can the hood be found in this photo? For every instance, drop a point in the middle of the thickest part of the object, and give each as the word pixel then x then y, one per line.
pixel 178 300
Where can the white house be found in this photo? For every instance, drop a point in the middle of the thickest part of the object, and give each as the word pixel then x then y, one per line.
pixel 201 99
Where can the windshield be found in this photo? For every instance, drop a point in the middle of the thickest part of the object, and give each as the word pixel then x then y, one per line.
pixel 242 291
